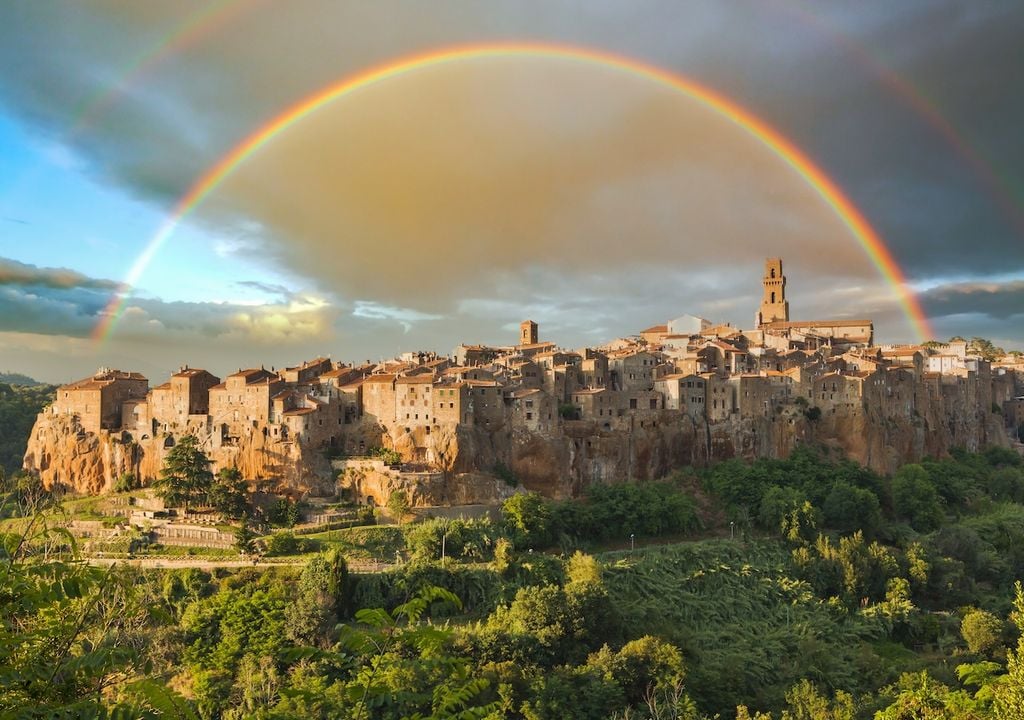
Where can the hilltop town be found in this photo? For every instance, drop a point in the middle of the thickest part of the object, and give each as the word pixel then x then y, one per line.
pixel 471 426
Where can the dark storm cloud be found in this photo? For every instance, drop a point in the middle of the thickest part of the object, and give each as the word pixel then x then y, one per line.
pixel 1001 302
pixel 818 72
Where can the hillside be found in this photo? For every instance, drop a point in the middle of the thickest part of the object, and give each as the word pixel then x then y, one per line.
pixel 17 379
pixel 19 405
pixel 825 592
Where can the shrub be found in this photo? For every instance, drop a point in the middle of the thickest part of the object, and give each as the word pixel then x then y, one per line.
pixel 982 631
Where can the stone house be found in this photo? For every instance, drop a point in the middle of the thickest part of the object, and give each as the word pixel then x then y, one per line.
pixel 98 400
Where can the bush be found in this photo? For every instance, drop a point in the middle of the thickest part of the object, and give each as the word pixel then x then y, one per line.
pixel 982 631
pixel 286 543
pixel 284 513
pixel 126 483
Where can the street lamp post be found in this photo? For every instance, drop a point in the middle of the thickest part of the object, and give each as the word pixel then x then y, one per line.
pixel 732 530
pixel 444 537
pixel 632 543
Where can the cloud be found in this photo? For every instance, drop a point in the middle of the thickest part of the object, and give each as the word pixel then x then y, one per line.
pixel 405 317
pixel 16 273
pixel 998 301
pixel 451 202
pixel 63 302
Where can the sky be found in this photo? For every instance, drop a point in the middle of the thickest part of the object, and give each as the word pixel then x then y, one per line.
pixel 447 203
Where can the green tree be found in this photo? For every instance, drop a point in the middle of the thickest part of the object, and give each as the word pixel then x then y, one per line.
pixel 228 494
pixel 71 636
pixel 1008 701
pixel 245 537
pixel 321 599
pixel 982 631
pixel 805 702
pixel 914 497
pixel 398 504
pixel 185 477
pixel 527 516
pixel 849 508
pixel 985 348
pixel 918 696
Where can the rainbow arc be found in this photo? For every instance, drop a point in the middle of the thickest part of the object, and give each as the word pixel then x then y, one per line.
pixel 725 108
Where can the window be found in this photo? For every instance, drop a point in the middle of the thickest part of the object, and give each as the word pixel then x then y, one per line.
pixel 529 416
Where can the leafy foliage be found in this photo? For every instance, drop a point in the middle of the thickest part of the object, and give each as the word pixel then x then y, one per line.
pixel 19 406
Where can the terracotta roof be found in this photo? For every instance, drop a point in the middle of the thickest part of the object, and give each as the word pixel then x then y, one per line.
pixel 655 329
pixel 421 379
pixel 102 379
pixel 188 372
pixel 379 379
pixel 337 372
pixel 299 411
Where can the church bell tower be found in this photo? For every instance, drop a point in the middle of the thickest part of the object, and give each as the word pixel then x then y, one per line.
pixel 774 305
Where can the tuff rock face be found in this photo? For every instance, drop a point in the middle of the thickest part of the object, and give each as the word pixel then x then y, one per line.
pixel 462 465
pixel 88 463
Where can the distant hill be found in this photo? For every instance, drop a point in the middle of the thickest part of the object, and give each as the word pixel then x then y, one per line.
pixel 17 379
pixel 19 405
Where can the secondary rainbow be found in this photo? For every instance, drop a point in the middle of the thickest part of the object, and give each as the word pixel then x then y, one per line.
pixel 193 29
pixel 789 153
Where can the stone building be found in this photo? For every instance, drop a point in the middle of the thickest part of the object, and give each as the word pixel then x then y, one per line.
pixel 98 400
pixel 307 371
pixel 186 394
pixel 379 401
pixel 413 400
pixel 242 402
pixel 534 410
pixel 632 369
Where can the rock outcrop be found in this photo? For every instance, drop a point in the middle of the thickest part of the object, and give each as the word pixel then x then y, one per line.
pixel 471 464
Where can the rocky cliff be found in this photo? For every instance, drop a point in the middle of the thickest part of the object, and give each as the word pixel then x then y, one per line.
pixel 461 464
pixel 66 456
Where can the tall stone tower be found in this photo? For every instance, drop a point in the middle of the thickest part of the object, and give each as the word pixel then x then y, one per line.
pixel 774 305
pixel 527 332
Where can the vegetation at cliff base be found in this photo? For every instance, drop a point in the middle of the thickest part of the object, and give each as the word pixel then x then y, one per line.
pixel 808 588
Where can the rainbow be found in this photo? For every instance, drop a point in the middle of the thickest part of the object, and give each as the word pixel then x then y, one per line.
pixel 999 186
pixel 782 147
pixel 197 25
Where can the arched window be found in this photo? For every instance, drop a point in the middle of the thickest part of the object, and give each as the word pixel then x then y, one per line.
pixel 773 272
pixel 773 297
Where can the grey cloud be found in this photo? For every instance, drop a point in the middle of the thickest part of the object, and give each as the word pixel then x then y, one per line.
pixel 13 272
pixel 1000 302
pixel 597 238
